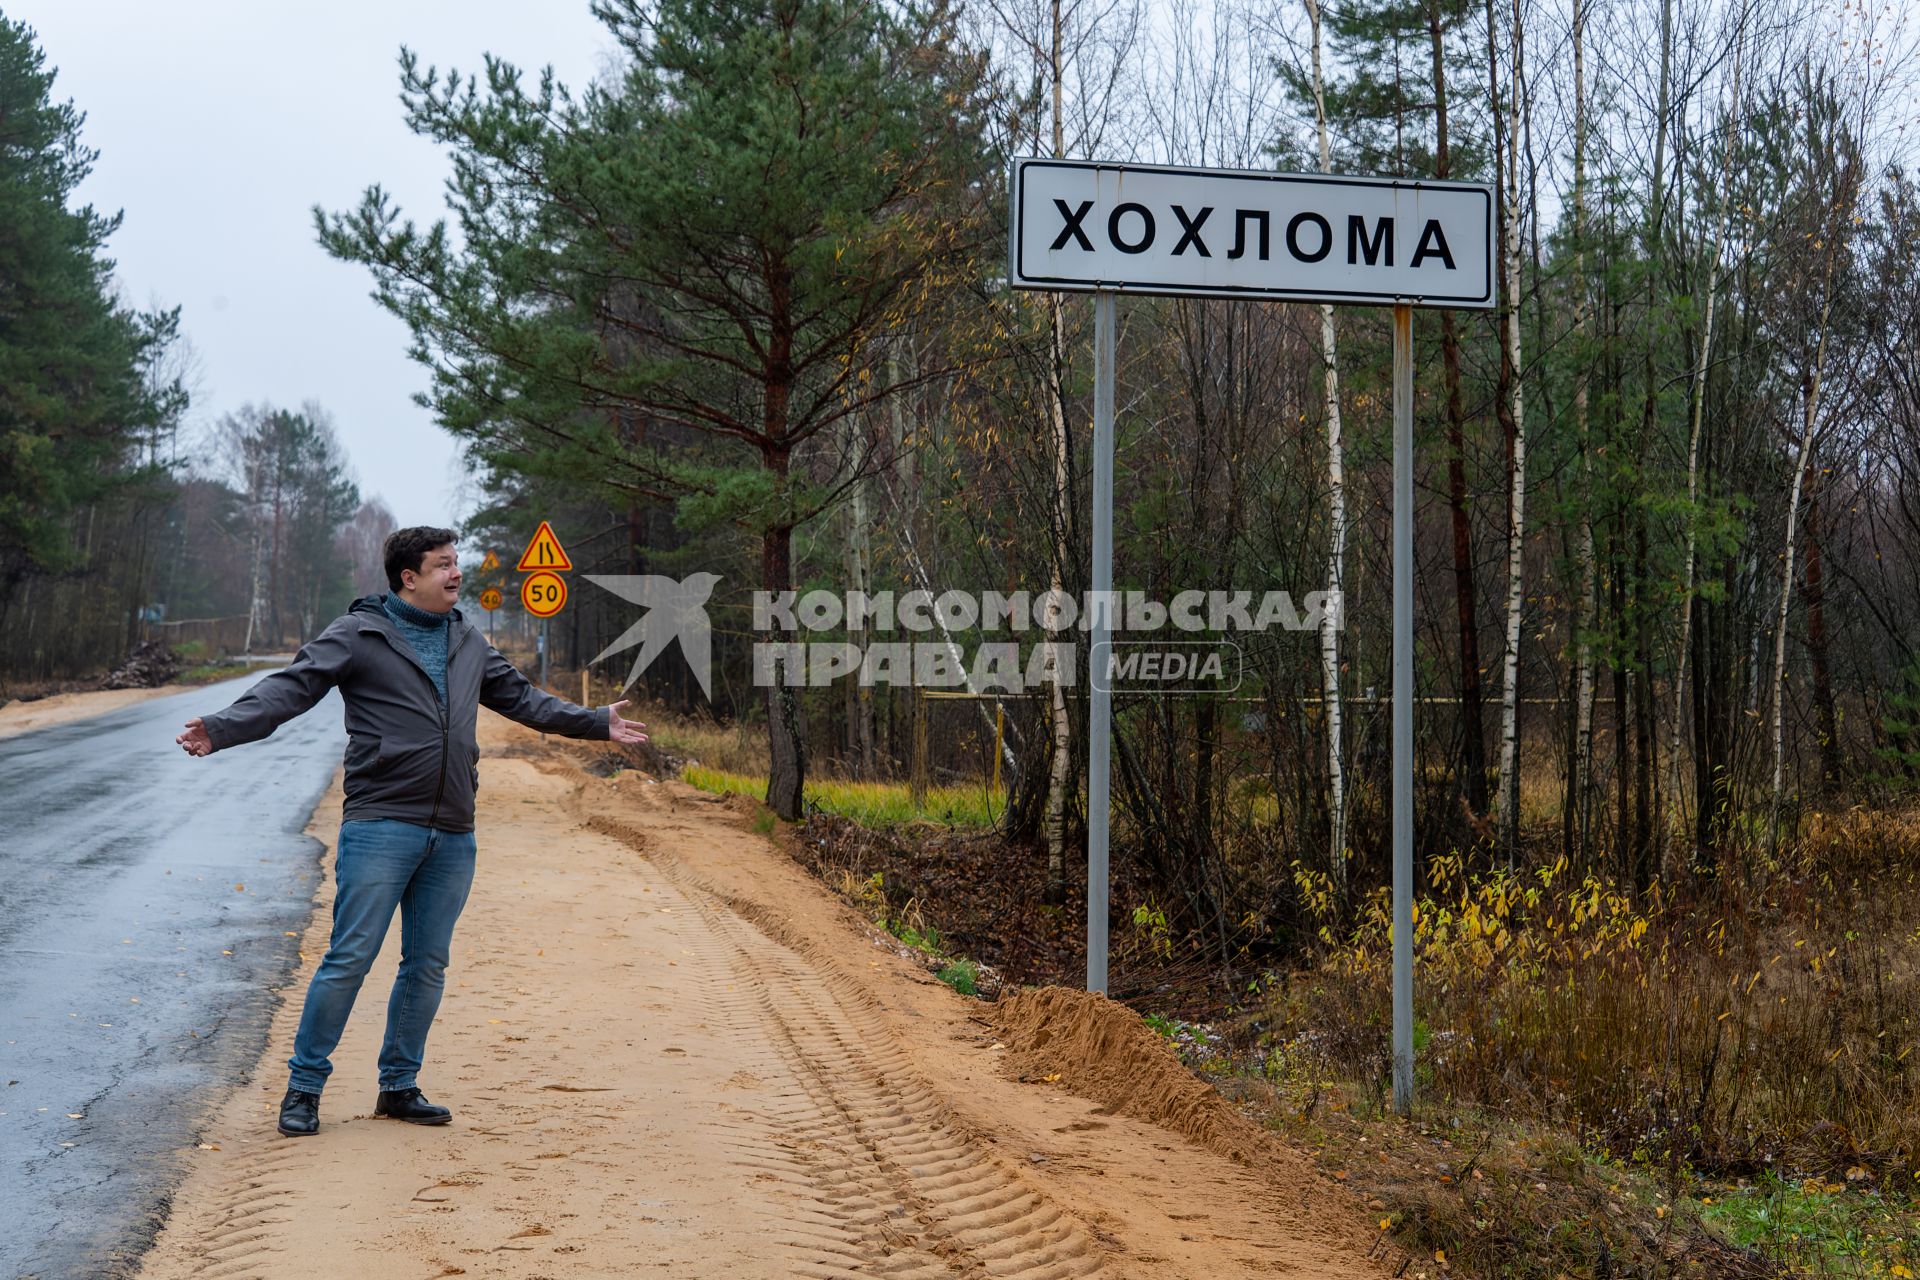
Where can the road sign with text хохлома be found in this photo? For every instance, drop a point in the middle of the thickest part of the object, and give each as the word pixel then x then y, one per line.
pixel 543 552
pixel 1231 233
pixel 1108 229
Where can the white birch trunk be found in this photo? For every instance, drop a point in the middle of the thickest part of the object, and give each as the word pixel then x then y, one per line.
pixel 1060 765
pixel 1517 519
pixel 253 596
pixel 1336 527
pixel 1809 416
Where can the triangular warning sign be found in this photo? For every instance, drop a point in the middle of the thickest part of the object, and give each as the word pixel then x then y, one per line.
pixel 491 563
pixel 544 552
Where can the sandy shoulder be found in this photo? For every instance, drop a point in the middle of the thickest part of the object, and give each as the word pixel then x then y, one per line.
pixel 63 708
pixel 60 708
pixel 670 1050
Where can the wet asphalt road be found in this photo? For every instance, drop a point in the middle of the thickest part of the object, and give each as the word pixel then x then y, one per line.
pixel 146 899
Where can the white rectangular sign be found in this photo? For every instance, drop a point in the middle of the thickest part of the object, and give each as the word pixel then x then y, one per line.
pixel 1078 225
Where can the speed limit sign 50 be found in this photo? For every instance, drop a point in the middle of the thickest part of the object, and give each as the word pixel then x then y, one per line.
pixel 543 594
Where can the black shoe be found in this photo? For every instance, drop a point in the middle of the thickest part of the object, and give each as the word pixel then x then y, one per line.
pixel 300 1114
pixel 409 1105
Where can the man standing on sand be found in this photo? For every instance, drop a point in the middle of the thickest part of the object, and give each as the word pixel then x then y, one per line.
pixel 413 673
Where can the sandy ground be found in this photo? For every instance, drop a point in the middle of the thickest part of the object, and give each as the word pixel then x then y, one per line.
pixel 59 708
pixel 18 717
pixel 670 1051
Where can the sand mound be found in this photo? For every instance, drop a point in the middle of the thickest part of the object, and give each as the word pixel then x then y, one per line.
pixel 1101 1050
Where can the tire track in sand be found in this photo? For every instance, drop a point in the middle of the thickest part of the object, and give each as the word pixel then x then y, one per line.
pixel 893 1184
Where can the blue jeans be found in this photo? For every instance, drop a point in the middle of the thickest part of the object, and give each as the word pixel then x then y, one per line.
pixel 380 865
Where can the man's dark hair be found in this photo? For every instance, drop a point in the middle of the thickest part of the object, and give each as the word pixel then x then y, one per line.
pixel 407 549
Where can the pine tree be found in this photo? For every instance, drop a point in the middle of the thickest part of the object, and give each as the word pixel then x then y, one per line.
pixel 74 405
pixel 676 283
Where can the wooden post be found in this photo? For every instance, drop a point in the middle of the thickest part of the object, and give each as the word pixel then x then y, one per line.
pixel 917 782
pixel 583 688
pixel 999 738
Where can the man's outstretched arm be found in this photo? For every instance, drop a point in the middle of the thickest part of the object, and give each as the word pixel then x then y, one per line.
pixel 504 689
pixel 278 696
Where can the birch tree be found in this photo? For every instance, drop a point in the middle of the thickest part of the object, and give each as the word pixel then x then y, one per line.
pixel 1509 804
pixel 1831 190
pixel 1336 520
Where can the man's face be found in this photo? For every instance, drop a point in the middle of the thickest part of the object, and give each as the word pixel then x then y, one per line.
pixel 436 587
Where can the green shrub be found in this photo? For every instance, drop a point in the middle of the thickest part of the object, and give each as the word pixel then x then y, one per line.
pixel 963 976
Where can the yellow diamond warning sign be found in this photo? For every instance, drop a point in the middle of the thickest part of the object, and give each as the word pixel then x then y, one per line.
pixel 544 552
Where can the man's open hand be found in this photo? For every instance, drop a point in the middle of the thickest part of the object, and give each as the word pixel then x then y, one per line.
pixel 195 741
pixel 619 730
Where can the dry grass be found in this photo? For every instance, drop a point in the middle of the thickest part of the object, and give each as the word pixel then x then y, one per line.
pixel 683 739
pixel 1738 1032
pixel 1756 1035
pixel 1463 1192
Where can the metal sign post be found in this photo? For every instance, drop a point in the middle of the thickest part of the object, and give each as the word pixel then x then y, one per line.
pixel 1236 234
pixel 1099 648
pixel 1403 708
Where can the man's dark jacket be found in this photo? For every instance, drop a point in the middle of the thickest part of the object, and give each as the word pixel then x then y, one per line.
pixel 408 755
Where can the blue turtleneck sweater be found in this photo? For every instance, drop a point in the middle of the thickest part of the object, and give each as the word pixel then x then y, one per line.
pixel 427 633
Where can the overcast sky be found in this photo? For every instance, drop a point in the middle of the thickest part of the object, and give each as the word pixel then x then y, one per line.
pixel 220 123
